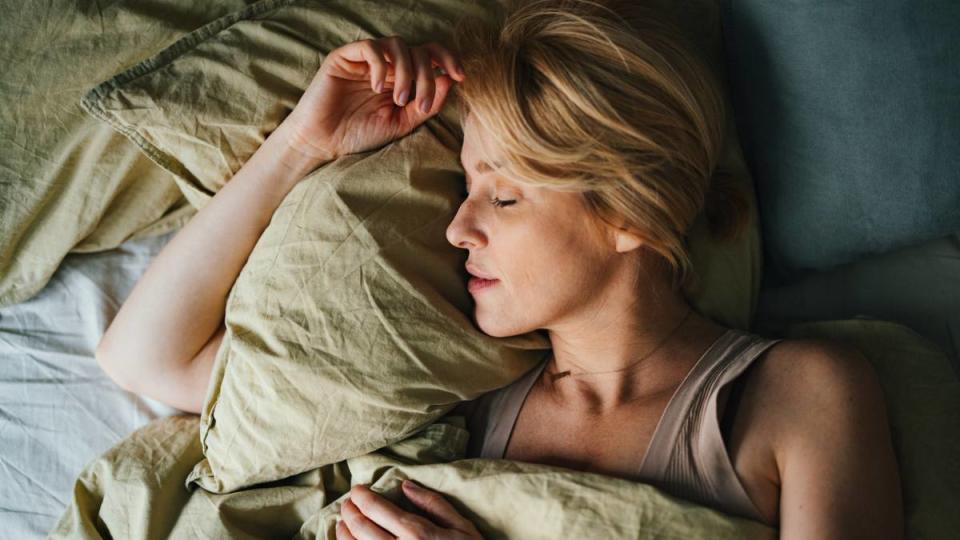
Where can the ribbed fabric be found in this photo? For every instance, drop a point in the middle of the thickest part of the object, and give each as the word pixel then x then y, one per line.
pixel 686 457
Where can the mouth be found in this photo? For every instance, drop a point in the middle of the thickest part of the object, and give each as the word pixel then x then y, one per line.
pixel 476 284
pixel 479 280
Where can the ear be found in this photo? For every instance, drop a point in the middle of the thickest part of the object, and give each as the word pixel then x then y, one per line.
pixel 626 240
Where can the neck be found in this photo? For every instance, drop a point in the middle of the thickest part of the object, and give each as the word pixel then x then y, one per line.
pixel 617 353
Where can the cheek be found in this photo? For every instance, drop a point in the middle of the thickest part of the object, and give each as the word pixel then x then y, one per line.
pixel 546 273
pixel 548 260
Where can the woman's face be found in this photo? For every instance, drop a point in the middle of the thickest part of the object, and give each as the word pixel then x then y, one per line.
pixel 550 265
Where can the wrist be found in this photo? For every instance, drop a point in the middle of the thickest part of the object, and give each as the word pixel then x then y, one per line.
pixel 293 165
pixel 301 147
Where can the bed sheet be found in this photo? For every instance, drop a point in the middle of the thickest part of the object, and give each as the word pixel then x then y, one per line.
pixel 58 410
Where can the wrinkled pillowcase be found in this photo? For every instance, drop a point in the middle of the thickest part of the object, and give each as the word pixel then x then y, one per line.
pixel 349 327
pixel 68 183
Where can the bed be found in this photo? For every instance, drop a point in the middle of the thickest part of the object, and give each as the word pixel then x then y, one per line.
pixel 85 206
pixel 59 409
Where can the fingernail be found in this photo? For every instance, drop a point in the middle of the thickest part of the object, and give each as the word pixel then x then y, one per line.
pixel 379 87
pixel 402 100
pixel 411 486
pixel 425 106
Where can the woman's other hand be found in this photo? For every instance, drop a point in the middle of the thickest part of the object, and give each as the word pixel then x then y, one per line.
pixel 368 93
pixel 368 515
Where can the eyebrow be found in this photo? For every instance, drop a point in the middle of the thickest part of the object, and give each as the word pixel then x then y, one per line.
pixel 483 167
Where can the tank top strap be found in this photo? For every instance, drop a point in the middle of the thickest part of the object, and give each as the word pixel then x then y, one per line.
pixel 497 413
pixel 687 455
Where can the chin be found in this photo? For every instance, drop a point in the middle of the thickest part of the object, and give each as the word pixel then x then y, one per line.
pixel 501 330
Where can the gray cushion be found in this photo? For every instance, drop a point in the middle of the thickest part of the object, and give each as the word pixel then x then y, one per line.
pixel 849 114
pixel 918 287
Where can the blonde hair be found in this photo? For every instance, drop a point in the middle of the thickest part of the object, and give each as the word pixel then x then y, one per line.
pixel 607 100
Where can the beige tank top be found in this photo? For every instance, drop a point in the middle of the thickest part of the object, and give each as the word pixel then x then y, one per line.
pixel 686 457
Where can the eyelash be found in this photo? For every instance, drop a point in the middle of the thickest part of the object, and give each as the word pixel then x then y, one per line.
pixel 495 201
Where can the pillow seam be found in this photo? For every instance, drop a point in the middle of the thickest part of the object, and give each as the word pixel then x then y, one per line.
pixel 92 100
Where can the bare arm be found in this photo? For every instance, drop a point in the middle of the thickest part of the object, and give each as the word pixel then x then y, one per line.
pixel 839 472
pixel 177 306
pixel 164 338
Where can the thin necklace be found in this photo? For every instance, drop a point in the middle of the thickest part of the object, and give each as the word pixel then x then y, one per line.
pixel 555 376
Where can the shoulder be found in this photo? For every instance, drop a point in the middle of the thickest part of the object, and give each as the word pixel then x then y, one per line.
pixel 821 408
pixel 812 384
pixel 805 372
pixel 796 389
pixel 802 391
pixel 799 363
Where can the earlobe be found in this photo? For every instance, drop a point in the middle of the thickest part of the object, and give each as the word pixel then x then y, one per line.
pixel 626 240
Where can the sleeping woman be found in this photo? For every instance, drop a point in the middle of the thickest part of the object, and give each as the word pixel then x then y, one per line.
pixel 591 137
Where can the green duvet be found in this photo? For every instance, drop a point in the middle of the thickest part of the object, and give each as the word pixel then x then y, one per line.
pixel 139 488
pixel 136 490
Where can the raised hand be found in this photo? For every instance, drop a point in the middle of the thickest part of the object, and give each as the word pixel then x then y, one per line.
pixel 368 93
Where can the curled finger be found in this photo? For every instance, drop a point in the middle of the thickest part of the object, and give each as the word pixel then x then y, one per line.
pixel 446 59
pixel 399 56
pixel 343 532
pixel 373 54
pixel 425 76
pixel 359 524
pixel 438 507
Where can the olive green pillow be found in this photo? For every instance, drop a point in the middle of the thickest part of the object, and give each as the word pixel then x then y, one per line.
pixel 349 327
pixel 69 183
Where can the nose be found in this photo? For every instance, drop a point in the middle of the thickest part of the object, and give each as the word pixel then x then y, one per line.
pixel 463 231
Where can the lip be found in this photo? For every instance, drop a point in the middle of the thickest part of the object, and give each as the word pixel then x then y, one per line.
pixel 474 271
pixel 479 280
pixel 476 284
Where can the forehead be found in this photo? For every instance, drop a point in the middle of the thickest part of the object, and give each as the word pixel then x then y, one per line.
pixel 476 155
pixel 481 168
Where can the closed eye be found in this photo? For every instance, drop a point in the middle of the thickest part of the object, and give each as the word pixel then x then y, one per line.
pixel 498 203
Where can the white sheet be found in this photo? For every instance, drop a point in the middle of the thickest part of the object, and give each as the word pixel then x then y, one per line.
pixel 58 410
